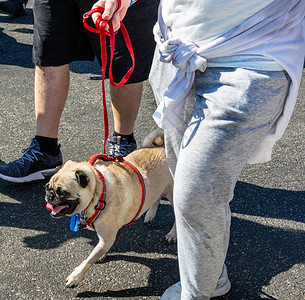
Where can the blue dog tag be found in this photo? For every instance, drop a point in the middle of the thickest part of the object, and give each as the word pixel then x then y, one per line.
pixel 74 222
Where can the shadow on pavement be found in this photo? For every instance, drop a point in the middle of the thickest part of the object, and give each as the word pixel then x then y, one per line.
pixel 255 248
pixel 158 277
pixel 26 20
pixel 15 53
pixel 259 251
pixel 19 54
pixel 12 52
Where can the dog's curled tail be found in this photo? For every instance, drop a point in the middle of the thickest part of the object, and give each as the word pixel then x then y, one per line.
pixel 154 139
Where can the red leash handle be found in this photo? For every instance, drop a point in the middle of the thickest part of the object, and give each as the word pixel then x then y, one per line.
pixel 100 25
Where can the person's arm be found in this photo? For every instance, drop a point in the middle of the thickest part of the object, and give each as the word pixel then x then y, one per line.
pixel 110 11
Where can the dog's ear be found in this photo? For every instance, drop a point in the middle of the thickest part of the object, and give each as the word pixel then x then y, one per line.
pixel 82 178
pixel 57 169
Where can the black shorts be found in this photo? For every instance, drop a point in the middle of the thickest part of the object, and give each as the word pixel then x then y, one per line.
pixel 60 37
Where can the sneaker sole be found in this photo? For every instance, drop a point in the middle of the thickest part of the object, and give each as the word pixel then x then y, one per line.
pixel 40 175
pixel 223 290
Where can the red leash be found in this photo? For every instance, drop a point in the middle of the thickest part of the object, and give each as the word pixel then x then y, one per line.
pixel 100 25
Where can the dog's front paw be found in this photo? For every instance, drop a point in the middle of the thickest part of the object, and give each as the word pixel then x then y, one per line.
pixel 74 278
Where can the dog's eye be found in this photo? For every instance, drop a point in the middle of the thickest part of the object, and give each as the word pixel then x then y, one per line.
pixel 61 193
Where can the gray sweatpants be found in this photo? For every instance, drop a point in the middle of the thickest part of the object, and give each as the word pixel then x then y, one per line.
pixel 229 112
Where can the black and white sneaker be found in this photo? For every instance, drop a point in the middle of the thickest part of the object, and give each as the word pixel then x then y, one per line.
pixel 32 165
pixel 14 7
pixel 120 147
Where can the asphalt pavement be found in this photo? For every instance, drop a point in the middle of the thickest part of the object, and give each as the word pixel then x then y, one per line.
pixel 267 248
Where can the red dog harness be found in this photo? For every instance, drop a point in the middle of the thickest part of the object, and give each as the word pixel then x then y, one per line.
pixel 102 203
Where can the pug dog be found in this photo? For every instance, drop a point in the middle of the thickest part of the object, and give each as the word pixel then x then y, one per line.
pixel 76 188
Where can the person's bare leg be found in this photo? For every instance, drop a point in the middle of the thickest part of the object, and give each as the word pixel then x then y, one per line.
pixel 51 91
pixel 125 102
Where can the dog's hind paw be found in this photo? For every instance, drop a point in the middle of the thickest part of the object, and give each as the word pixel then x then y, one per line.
pixel 170 239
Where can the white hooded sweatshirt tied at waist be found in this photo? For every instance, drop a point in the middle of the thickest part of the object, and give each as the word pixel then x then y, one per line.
pixel 242 33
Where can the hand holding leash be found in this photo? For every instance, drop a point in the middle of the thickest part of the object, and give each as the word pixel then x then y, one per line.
pixel 114 10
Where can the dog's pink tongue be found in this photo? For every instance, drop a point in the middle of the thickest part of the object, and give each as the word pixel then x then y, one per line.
pixel 56 209
pixel 49 207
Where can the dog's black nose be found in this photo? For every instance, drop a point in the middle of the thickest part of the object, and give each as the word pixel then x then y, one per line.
pixel 50 195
